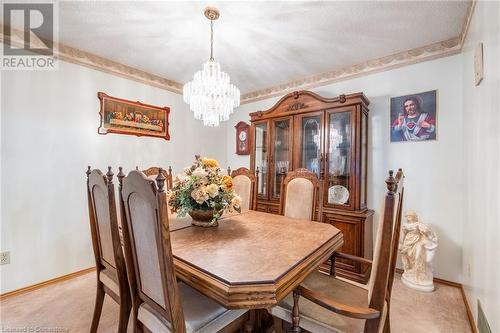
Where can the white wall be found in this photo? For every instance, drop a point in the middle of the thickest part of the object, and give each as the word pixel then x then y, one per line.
pixel 49 123
pixel 481 130
pixel 434 174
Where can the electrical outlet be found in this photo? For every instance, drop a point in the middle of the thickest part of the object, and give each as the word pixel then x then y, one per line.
pixel 4 258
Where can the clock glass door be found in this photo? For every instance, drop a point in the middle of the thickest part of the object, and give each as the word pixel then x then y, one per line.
pixel 261 158
pixel 242 142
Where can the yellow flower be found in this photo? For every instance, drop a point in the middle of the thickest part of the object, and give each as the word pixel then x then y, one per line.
pixel 209 162
pixel 227 181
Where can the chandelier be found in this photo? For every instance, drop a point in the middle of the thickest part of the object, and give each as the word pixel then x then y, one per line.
pixel 210 95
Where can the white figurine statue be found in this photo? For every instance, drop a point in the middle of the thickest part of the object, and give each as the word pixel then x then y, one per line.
pixel 417 251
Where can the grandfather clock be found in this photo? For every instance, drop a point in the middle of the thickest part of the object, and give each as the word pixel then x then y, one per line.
pixel 328 136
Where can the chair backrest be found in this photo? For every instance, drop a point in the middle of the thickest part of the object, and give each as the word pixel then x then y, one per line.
pixel 148 251
pixel 244 184
pixel 104 224
pixel 396 231
pixel 387 231
pixel 152 172
pixel 299 195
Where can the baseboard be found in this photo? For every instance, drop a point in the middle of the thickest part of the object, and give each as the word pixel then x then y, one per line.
pixel 462 291
pixel 45 283
pixel 437 280
pixel 468 309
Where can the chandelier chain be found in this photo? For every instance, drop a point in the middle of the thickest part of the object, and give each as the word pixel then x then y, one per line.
pixel 211 40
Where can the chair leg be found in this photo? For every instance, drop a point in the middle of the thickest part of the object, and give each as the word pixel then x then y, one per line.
pixel 277 325
pixel 99 300
pixel 125 307
pixel 138 327
pixel 387 324
pixel 332 265
pixel 249 325
pixel 296 313
pixel 136 324
pixel 371 325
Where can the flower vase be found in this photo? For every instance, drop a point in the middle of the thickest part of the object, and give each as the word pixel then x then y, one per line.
pixel 203 218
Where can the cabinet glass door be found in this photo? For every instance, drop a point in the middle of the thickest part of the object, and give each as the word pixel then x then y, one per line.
pixel 310 143
pixel 281 154
pixel 338 165
pixel 261 159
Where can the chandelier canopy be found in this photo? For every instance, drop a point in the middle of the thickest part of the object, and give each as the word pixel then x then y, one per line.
pixel 210 95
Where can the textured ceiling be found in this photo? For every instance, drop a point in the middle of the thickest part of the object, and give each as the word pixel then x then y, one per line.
pixel 259 44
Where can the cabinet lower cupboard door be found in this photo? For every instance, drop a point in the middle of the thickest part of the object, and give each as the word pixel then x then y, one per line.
pixel 357 233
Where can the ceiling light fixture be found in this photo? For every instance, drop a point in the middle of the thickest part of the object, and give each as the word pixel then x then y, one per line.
pixel 210 95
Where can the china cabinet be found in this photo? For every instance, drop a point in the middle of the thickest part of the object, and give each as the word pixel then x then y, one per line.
pixel 327 136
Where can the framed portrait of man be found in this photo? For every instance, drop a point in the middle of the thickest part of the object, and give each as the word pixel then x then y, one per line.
pixel 413 117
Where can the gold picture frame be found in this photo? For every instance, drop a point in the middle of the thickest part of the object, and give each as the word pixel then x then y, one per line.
pixel 122 116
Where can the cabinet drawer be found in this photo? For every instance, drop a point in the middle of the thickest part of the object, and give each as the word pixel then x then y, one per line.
pixel 274 209
pixel 261 207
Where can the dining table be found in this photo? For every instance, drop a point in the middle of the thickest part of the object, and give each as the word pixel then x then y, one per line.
pixel 251 260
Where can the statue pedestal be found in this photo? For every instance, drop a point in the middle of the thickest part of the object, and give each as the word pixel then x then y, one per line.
pixel 409 281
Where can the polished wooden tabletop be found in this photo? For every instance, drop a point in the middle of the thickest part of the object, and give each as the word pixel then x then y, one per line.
pixel 253 259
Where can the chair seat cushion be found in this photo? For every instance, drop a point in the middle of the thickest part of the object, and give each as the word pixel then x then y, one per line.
pixel 315 318
pixel 202 315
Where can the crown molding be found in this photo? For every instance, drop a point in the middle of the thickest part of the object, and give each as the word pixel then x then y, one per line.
pixel 468 18
pixel 405 58
pixel 90 60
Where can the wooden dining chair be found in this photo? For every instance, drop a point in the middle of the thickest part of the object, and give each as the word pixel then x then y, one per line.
pixel 324 303
pixel 152 172
pixel 110 264
pixel 399 189
pixel 244 184
pixel 395 245
pixel 300 195
pixel 159 302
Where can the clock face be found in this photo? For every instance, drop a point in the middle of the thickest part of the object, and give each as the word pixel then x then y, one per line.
pixel 243 136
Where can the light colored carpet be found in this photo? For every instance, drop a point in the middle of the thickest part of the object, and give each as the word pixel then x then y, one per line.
pixel 68 307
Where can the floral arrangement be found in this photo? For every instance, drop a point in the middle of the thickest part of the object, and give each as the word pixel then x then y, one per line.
pixel 202 186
